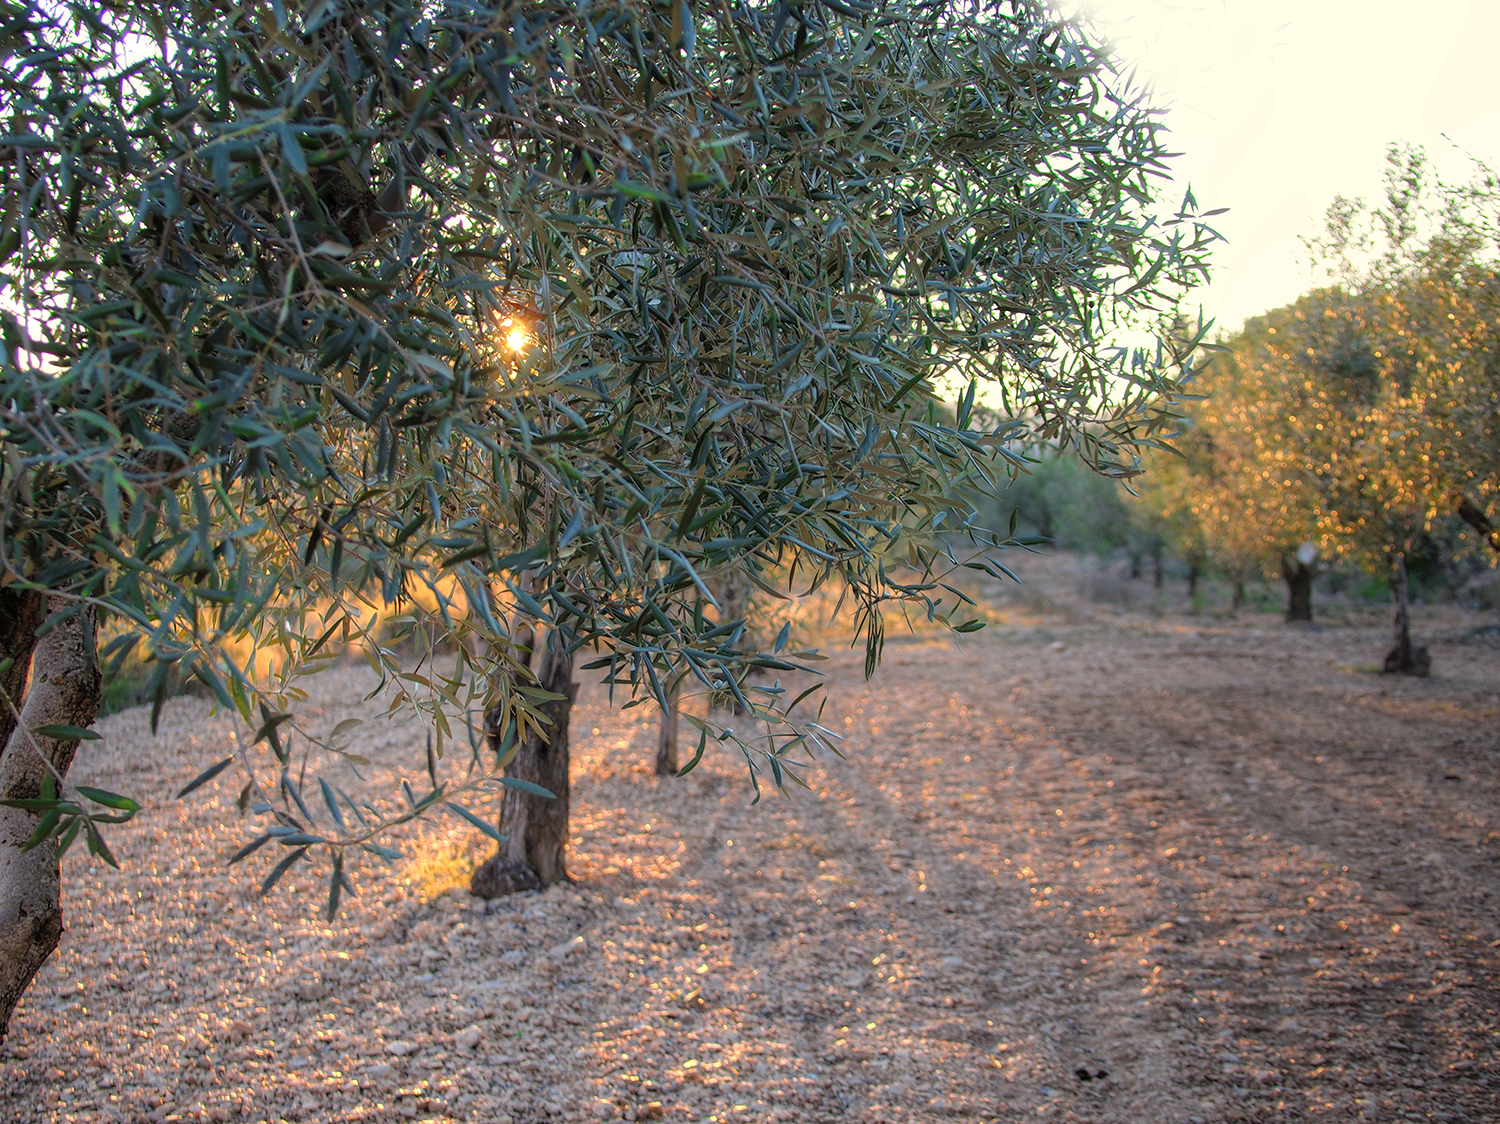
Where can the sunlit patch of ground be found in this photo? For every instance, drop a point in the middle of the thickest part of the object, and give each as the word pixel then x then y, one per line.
pixel 1104 861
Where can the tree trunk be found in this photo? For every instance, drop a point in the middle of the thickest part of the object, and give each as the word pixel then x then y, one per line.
pixel 1237 602
pixel 731 590
pixel 1192 579
pixel 65 690
pixel 732 593
pixel 21 611
pixel 1299 580
pixel 1403 658
pixel 666 740
pixel 1156 574
pixel 533 855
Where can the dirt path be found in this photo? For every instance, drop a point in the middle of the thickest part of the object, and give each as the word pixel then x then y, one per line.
pixel 1096 868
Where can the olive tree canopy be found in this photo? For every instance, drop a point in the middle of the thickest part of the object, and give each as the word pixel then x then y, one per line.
pixel 537 311
pixel 1362 419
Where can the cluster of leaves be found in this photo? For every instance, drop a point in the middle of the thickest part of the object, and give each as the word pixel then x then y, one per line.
pixel 64 819
pixel 1363 414
pixel 497 313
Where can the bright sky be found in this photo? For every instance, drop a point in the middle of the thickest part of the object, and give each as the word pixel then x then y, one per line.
pixel 1279 105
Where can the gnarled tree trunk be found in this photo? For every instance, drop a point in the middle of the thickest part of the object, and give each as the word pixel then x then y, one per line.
pixel 65 690
pixel 1404 658
pixel 1299 581
pixel 537 828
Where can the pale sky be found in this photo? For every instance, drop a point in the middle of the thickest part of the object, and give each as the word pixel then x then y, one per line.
pixel 1279 105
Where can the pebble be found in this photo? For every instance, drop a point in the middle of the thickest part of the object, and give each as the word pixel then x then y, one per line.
pixel 236 1031
pixel 400 1049
pixel 468 1037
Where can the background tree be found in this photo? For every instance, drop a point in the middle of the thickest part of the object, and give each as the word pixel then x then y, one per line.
pixel 733 593
pixel 524 321
pixel 1165 509
pixel 1245 488
pixel 1362 417
pixel 1428 446
pixel 1060 500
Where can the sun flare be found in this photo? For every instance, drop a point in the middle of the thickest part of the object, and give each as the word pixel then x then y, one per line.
pixel 517 338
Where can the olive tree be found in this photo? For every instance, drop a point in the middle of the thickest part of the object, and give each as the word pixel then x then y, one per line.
pixel 526 321
pixel 1363 414
pixel 1242 484
pixel 1426 447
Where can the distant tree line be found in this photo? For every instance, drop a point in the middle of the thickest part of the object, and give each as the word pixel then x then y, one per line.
pixel 1358 426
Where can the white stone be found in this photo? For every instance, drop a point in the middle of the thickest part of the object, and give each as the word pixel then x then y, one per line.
pixel 468 1037
pixel 400 1049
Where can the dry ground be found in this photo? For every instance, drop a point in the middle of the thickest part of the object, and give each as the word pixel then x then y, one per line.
pixel 1096 863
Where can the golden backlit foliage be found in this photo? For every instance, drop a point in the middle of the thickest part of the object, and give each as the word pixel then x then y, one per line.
pixel 1360 415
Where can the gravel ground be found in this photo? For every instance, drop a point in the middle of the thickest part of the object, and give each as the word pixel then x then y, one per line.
pixel 1093 864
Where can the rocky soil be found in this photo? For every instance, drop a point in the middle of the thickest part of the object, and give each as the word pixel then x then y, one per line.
pixel 1092 864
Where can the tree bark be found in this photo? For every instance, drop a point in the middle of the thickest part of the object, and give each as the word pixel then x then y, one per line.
pixel 21 611
pixel 1192 579
pixel 666 740
pixel 1471 514
pixel 1156 572
pixel 1404 658
pixel 537 828
pixel 65 690
pixel 1237 602
pixel 1299 579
